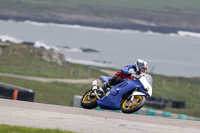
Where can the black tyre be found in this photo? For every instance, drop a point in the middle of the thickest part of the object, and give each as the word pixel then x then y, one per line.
pixel 131 107
pixel 88 101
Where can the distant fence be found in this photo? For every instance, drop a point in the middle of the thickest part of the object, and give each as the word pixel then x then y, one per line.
pixel 16 93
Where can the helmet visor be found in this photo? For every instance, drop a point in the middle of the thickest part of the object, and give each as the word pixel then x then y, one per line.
pixel 143 69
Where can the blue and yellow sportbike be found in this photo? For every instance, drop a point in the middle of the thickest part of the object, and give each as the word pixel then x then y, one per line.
pixel 128 96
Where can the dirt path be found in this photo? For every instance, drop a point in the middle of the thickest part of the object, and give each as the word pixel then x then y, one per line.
pixel 47 79
pixel 109 72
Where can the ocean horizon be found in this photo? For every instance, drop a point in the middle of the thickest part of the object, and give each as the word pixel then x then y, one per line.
pixel 116 48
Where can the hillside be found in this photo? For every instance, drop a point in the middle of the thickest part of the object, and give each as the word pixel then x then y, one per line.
pixel 160 16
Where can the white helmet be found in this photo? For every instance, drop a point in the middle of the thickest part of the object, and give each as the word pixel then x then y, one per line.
pixel 141 66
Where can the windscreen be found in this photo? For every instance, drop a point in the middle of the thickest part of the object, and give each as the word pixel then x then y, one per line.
pixel 149 78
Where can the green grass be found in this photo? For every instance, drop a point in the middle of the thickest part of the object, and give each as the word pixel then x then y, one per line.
pixel 18 129
pixel 177 88
pixel 27 60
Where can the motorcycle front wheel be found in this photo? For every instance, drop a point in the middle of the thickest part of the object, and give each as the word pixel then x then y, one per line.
pixel 134 105
pixel 89 100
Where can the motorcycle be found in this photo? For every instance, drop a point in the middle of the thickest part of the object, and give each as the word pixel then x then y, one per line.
pixel 128 96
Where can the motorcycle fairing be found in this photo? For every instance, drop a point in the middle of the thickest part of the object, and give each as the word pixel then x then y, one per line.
pixel 113 99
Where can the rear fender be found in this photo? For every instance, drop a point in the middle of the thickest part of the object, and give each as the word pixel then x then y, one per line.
pixel 104 79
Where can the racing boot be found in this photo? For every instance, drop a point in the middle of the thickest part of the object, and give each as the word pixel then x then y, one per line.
pixel 106 86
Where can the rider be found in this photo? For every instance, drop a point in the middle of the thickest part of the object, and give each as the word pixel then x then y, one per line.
pixel 128 71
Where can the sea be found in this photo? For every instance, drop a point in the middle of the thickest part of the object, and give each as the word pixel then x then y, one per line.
pixel 174 54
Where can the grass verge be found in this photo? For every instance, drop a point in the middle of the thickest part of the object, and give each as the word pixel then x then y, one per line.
pixel 18 129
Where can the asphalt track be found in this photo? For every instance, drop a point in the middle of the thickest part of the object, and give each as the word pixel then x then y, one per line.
pixel 29 114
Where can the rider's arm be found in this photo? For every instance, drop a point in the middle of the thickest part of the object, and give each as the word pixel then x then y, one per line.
pixel 125 70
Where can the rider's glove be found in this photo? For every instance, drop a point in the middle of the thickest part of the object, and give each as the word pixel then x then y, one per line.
pixel 136 76
pixel 129 74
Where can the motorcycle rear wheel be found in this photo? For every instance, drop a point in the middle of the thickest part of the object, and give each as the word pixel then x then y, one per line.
pixel 89 102
pixel 131 107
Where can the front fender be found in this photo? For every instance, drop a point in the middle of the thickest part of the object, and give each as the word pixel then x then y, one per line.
pixel 136 93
